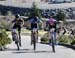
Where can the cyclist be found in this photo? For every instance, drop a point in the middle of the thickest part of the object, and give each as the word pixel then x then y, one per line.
pixel 34 24
pixel 17 24
pixel 51 23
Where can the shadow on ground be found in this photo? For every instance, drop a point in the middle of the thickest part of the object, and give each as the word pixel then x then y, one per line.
pixel 18 52
pixel 15 51
pixel 68 46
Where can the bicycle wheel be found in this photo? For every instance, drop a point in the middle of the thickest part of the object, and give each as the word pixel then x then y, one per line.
pixel 31 38
pixel 18 46
pixel 34 41
pixel 53 43
pixel 17 42
pixel 19 38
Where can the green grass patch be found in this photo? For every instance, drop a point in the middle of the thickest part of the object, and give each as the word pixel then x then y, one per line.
pixel 41 32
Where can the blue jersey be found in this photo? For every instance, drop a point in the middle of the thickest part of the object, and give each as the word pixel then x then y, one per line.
pixel 34 22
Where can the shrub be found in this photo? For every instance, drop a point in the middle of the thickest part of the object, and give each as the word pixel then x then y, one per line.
pixel 3 24
pixel 65 39
pixel 73 42
pixel 4 39
pixel 44 40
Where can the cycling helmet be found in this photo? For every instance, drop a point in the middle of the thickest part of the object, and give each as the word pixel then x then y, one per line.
pixel 17 16
pixel 52 20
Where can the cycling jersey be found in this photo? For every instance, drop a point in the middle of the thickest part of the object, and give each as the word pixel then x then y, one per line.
pixel 52 26
pixel 17 24
pixel 34 22
pixel 51 23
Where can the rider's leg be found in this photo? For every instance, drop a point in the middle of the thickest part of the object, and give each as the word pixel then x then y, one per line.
pixel 19 33
pixel 13 35
pixel 50 35
pixel 55 37
pixel 37 36
pixel 31 37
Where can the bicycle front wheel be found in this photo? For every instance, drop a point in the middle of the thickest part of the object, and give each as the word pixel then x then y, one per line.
pixel 17 41
pixel 18 46
pixel 19 38
pixel 34 43
pixel 53 44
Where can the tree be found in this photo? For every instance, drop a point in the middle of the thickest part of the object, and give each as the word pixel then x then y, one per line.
pixel 35 11
pixel 3 24
pixel 60 16
pixel 9 13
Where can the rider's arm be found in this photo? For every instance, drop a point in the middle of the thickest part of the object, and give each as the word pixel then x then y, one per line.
pixel 22 22
pixel 39 20
pixel 31 20
pixel 13 21
pixel 47 24
pixel 55 26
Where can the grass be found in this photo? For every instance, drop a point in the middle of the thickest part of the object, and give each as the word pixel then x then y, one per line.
pixel 41 32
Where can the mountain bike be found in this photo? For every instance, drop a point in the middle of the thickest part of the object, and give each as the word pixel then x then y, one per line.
pixel 16 38
pixel 34 38
pixel 52 39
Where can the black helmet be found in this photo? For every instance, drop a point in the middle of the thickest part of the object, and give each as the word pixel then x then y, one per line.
pixel 17 16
